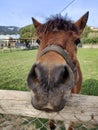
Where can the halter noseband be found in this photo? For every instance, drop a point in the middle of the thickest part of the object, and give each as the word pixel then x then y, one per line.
pixel 60 51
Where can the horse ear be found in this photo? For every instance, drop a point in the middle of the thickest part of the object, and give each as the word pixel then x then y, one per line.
pixel 36 23
pixel 81 23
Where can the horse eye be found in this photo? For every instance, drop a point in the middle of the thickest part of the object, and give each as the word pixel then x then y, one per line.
pixel 77 41
pixel 38 41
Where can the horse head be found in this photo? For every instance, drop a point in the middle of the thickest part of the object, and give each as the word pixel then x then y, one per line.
pixel 56 72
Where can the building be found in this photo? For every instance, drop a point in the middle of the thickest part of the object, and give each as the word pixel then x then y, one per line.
pixel 93 28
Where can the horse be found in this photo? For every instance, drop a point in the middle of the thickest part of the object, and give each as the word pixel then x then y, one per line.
pixel 56 73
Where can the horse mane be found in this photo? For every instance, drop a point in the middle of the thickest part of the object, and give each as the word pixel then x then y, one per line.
pixel 56 23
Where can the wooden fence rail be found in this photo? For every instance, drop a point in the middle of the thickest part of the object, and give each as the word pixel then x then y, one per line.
pixel 78 108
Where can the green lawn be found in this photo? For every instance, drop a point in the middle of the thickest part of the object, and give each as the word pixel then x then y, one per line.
pixel 14 67
pixel 89 64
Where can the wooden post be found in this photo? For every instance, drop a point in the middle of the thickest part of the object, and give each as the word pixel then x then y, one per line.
pixel 79 108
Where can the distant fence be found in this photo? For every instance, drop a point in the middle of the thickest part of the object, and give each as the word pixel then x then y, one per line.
pixel 90 46
pixel 11 44
pixel 21 43
pixel 79 109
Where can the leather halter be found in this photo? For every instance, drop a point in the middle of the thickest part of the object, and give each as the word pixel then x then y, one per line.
pixel 60 51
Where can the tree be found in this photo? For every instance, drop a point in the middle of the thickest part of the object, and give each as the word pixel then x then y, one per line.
pixel 27 32
pixel 86 32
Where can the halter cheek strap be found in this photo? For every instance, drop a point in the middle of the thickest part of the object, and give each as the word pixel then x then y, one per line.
pixel 60 51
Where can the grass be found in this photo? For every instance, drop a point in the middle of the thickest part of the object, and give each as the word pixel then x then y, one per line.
pixel 89 64
pixel 14 68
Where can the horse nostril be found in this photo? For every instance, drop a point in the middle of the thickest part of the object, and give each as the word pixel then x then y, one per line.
pixel 65 75
pixel 33 76
pixel 69 77
pixel 62 74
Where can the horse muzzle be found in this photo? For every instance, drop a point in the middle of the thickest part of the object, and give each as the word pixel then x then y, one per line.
pixel 50 86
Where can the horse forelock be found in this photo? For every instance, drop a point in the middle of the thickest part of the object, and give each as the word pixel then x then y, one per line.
pixel 56 23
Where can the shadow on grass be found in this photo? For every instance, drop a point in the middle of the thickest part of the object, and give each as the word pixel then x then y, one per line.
pixel 90 87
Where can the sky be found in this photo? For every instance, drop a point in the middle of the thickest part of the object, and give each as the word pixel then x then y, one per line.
pixel 19 12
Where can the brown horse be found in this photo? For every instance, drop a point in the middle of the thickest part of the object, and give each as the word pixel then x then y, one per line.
pixel 56 72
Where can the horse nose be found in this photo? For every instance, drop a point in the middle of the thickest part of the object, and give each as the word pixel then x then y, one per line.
pixel 49 86
pixel 50 77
